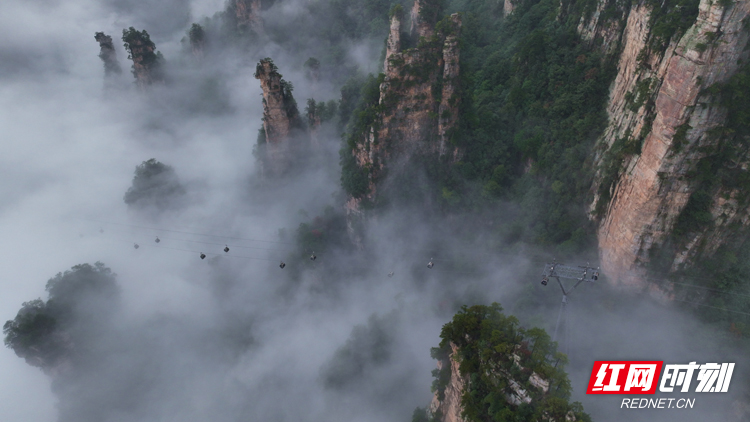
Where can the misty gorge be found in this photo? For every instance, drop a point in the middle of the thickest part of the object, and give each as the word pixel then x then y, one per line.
pixel 341 210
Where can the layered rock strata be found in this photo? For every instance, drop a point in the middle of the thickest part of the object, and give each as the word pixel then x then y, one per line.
pixel 658 102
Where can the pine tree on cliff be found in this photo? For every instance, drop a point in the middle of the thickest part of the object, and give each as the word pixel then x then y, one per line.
pixel 147 62
pixel 107 54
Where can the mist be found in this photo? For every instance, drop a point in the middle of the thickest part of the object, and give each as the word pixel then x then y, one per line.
pixel 233 336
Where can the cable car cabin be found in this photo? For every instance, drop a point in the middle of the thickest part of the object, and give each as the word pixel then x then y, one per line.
pixel 203 256
pixel 545 280
pixel 390 274
pixel 226 248
pixel 313 257
pixel 135 245
pixel 282 265
pixel 157 240
pixel 430 264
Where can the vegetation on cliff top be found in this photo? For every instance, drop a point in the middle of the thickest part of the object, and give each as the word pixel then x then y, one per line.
pixel 155 185
pixel 498 357
pixel 142 51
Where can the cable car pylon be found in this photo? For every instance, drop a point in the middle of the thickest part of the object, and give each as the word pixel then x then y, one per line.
pixel 579 273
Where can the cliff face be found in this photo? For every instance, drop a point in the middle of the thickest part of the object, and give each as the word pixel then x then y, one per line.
pixel 247 15
pixel 280 118
pixel 660 127
pixel 418 105
pixel 107 54
pixel 508 7
pixel 448 407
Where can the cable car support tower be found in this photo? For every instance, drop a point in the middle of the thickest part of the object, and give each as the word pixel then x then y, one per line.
pixel 579 273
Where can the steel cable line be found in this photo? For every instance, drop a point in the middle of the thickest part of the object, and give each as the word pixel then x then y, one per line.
pixel 271 260
pixel 157 230
pixel 212 243
pixel 714 307
pixel 191 251
pixel 704 288
pixel 186 232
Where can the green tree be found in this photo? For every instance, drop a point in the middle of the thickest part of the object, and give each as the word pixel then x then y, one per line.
pixel 498 357
pixel 43 333
pixel 155 185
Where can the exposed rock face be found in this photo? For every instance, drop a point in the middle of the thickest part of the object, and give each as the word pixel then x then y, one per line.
pixel 424 15
pixel 508 7
pixel 448 110
pixel 107 54
pixel 450 406
pixel 418 96
pixel 280 117
pixel 658 100
pixel 607 32
pixel 247 15
pixel 146 61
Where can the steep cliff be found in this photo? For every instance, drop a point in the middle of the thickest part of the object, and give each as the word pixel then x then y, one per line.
pixel 147 62
pixel 107 54
pixel 281 120
pixel 664 124
pixel 246 15
pixel 417 108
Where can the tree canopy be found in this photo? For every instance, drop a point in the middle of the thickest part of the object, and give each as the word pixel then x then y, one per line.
pixel 498 357
pixel 155 184
pixel 44 333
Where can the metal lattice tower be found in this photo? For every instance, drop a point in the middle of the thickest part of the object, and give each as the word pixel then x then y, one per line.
pixel 579 273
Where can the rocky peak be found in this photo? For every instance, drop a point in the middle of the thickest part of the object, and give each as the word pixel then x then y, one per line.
pixel 418 104
pixel 280 117
pixel 424 15
pixel 247 15
pixel 146 60
pixel 393 44
pixel 107 54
